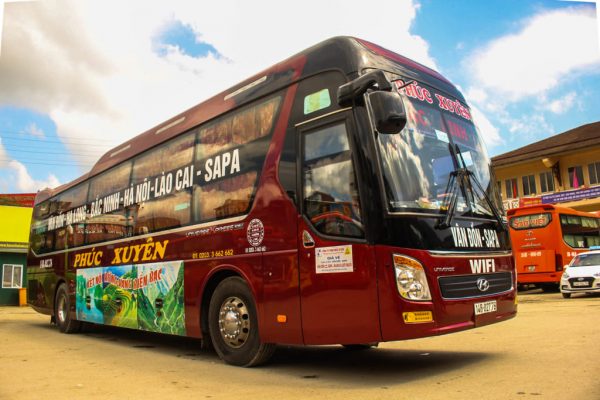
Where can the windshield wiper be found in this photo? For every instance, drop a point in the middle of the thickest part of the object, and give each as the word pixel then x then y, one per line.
pixel 455 182
pixel 487 198
pixel 464 178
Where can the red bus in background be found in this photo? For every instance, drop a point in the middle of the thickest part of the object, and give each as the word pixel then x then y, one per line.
pixel 546 237
pixel 342 196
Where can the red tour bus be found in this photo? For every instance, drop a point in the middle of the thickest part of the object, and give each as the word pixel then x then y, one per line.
pixel 546 237
pixel 342 196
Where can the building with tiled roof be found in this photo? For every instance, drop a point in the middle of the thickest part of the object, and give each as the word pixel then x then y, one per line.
pixel 563 169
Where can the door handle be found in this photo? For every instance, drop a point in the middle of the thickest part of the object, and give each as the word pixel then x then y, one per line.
pixel 307 240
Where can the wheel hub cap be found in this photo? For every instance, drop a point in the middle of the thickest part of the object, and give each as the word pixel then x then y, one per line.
pixel 62 309
pixel 234 322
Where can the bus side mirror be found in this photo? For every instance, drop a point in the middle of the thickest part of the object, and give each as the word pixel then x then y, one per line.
pixel 388 111
pixel 348 92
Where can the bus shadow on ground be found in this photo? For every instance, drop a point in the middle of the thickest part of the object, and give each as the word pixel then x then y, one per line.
pixel 177 346
pixel 371 367
pixel 376 367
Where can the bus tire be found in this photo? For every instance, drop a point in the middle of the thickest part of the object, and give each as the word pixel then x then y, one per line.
pixel 566 295
pixel 233 325
pixel 62 314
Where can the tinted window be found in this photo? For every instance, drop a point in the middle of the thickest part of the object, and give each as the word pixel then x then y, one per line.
pixel 580 232
pixel 69 222
pixel 231 153
pixel 107 219
pixel 206 174
pixel 41 239
pixel 169 203
pixel 330 192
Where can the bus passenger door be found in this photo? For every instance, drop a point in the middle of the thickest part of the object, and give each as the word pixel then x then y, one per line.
pixel 338 289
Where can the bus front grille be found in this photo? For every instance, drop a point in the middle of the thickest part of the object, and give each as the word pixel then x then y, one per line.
pixel 466 286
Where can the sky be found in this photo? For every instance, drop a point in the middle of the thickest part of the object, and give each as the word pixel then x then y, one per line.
pixel 79 77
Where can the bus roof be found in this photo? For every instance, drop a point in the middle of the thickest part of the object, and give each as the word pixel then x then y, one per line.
pixel 349 55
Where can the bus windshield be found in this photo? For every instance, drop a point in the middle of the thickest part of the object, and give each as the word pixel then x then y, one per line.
pixel 417 162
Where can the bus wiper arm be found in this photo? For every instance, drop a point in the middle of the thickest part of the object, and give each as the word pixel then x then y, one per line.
pixel 463 178
pixel 452 188
pixel 450 202
pixel 472 179
pixel 487 198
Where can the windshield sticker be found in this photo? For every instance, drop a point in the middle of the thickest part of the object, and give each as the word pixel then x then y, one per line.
pixel 317 101
pixel 334 259
pixel 442 136
pixel 466 156
pixel 414 91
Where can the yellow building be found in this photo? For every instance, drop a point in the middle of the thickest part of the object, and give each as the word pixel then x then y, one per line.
pixel 563 169
pixel 15 214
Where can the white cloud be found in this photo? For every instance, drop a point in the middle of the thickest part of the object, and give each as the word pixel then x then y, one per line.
pixel 563 104
pixel 525 69
pixel 92 66
pixel 34 130
pixel 4 157
pixel 25 183
pixel 490 134
pixel 107 82
pixel 527 127
pixel 477 95
pixel 551 46
pixel 17 177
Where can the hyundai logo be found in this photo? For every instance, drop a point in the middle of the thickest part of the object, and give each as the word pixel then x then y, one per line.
pixel 482 284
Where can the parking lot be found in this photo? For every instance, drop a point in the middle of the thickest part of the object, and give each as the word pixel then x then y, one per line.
pixel 549 351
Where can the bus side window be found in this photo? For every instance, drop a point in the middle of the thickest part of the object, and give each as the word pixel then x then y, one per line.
pixel 580 232
pixel 42 240
pixel 167 207
pixel 74 233
pixel 112 223
pixel 232 194
pixel 330 192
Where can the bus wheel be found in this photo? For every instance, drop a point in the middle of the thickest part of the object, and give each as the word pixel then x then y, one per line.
pixel 566 295
pixel 62 307
pixel 361 346
pixel 233 325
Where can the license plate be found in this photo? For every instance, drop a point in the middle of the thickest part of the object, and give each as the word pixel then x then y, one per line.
pixel 580 284
pixel 531 268
pixel 485 307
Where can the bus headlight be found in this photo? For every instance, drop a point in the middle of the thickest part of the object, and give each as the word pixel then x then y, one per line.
pixel 410 278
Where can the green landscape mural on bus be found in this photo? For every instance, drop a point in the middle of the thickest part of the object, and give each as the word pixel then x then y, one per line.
pixel 147 296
